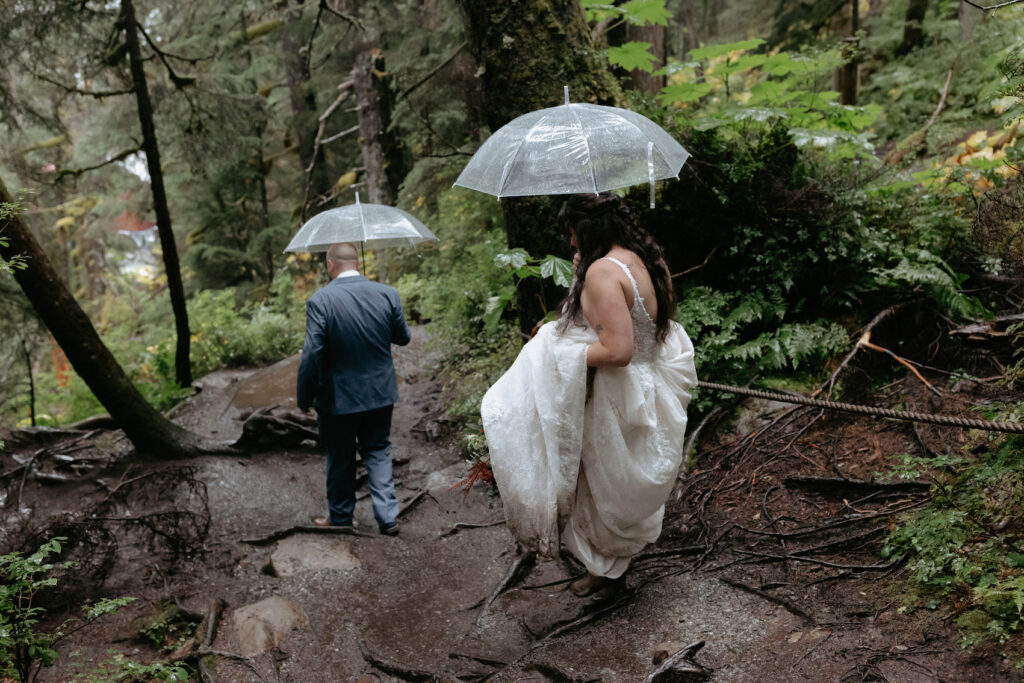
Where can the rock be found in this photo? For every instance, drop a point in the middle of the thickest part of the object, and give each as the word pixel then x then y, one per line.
pixel 265 624
pixel 305 553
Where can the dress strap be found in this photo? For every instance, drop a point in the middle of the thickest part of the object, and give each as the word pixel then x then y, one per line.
pixel 629 274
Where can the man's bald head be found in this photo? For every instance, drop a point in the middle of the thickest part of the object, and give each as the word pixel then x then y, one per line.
pixel 342 256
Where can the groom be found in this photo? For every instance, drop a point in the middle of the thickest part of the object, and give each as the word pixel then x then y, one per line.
pixel 346 372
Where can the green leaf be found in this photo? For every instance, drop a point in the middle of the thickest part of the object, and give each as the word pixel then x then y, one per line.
pixel 744 63
pixel 712 51
pixel 515 258
pixel 558 269
pixel 632 55
pixel 769 92
pixel 596 10
pixel 684 92
pixel 641 12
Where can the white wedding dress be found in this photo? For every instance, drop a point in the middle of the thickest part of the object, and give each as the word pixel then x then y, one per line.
pixel 598 469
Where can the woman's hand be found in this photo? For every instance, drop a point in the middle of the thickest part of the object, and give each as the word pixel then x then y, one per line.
pixel 606 309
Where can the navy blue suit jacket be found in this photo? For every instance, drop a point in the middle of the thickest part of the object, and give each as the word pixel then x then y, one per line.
pixel 346 364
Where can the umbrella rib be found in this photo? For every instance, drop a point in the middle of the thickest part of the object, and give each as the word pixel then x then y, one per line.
pixel 586 143
pixel 505 172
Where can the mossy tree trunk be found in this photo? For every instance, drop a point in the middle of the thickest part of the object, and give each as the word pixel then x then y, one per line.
pixel 149 431
pixel 527 52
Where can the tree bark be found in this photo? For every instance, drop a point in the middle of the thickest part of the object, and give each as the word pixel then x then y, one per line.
pixel 913 27
pixel 149 431
pixel 182 365
pixel 527 51
pixel 305 116
pixel 382 154
pixel 655 35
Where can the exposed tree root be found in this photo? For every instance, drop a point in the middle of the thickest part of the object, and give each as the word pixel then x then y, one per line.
pixel 843 487
pixel 397 670
pixel 469 525
pixel 781 602
pixel 516 574
pixel 300 529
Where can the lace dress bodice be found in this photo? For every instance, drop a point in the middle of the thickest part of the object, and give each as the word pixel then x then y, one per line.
pixel 645 344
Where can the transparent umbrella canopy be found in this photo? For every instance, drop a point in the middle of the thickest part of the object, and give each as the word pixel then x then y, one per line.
pixel 573 148
pixel 374 226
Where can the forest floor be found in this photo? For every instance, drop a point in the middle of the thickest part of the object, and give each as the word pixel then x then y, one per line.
pixel 767 556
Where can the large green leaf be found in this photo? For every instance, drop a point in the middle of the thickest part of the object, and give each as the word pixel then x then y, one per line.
pixel 642 12
pixel 684 92
pixel 597 10
pixel 632 55
pixel 515 258
pixel 558 269
pixel 712 51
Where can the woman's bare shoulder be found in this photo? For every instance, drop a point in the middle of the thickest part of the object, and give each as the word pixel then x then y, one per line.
pixel 604 267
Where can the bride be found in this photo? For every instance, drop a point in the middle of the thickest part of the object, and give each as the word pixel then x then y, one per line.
pixel 585 430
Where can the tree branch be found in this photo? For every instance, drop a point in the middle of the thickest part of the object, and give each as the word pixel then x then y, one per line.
pixel 344 17
pixel 179 81
pixel 120 156
pixel 433 72
pixel 99 94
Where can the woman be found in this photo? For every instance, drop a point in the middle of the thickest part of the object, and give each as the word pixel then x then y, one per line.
pixel 595 462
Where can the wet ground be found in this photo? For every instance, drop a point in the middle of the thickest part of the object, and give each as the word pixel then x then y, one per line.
pixel 426 606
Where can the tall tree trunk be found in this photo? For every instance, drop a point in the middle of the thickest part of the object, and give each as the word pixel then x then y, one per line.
pixel 149 431
pixel 655 35
pixel 913 26
pixel 382 155
pixel 849 73
pixel 182 366
pixel 305 116
pixel 381 152
pixel 969 17
pixel 527 51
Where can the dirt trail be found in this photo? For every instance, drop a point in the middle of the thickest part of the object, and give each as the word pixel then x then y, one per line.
pixel 423 605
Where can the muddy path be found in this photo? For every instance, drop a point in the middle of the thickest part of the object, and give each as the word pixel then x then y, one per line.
pixel 778 576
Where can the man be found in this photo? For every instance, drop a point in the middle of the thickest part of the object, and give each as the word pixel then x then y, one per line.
pixel 346 372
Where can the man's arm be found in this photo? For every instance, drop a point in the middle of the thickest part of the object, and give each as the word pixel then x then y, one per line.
pixel 311 365
pixel 399 328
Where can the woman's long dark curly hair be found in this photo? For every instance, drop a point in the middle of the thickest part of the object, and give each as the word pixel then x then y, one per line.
pixel 601 222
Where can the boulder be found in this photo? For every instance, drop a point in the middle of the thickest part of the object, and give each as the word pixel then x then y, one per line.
pixel 265 625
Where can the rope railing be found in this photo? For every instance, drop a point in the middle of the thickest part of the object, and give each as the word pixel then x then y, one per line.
pixel 946 420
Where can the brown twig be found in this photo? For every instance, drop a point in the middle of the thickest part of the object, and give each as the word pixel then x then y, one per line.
pixel 942 98
pixel 697 267
pixel 866 342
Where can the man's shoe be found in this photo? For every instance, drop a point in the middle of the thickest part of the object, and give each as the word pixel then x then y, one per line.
pixel 391 530
pixel 326 522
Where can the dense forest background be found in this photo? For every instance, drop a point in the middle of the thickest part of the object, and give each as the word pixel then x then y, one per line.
pixel 848 156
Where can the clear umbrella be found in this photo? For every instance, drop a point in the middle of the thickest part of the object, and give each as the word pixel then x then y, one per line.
pixel 374 226
pixel 573 148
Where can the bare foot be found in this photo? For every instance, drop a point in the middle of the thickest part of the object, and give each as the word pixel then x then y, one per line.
pixel 590 584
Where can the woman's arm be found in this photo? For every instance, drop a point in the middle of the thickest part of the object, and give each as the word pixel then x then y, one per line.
pixel 605 308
